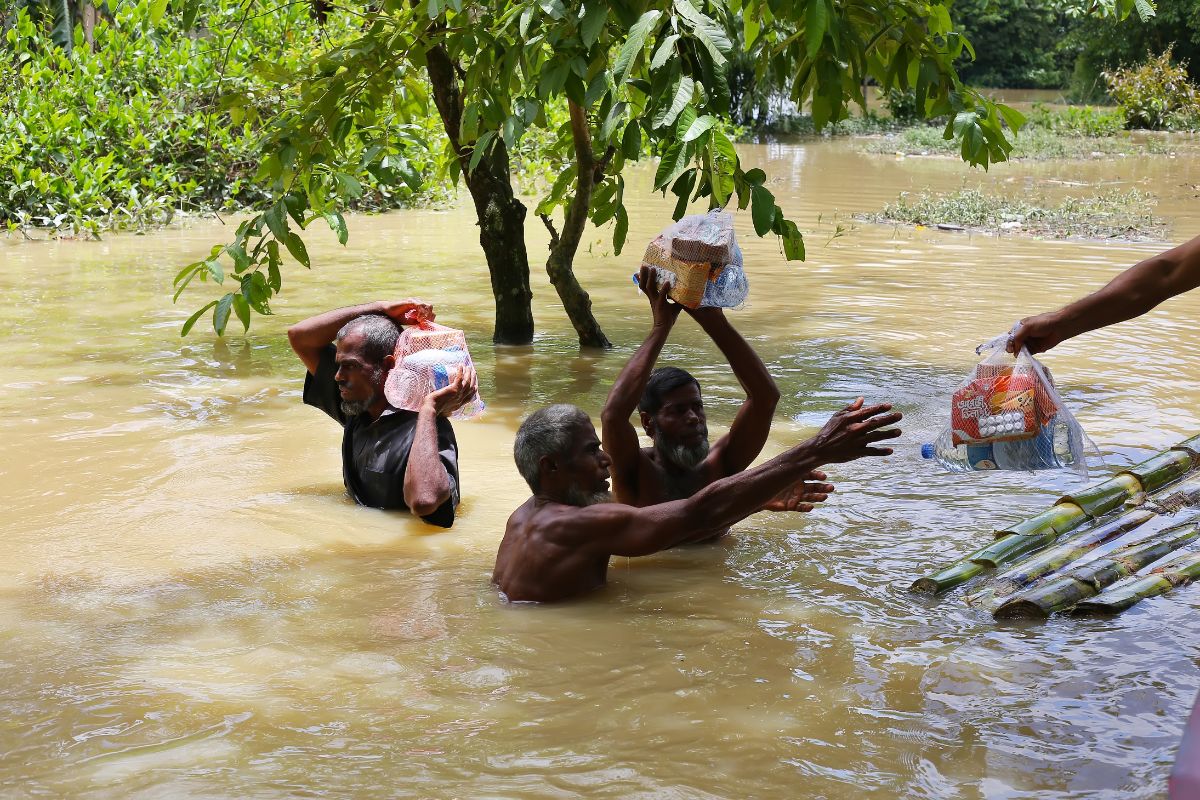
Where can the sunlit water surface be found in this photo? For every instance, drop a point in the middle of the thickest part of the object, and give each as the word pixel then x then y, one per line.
pixel 189 606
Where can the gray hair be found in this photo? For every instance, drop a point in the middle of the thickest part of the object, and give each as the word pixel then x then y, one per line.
pixel 546 432
pixel 379 336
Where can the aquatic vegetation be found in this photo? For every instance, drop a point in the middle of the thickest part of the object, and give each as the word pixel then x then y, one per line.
pixel 1115 214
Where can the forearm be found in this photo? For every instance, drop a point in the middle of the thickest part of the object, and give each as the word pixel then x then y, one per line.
pixel 729 500
pixel 631 383
pixel 747 367
pixel 1136 291
pixel 426 483
pixel 318 331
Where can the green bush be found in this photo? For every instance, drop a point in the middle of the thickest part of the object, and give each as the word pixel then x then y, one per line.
pixel 128 133
pixel 1077 120
pixel 1155 95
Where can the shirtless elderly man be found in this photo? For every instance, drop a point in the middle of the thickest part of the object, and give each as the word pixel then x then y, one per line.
pixel 558 543
pixel 671 409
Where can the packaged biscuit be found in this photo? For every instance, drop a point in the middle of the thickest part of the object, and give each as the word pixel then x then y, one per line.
pixel 428 357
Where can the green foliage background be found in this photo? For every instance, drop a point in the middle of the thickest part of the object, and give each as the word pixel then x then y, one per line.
pixel 128 133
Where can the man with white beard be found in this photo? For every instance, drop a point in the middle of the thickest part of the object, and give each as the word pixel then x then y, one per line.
pixel 671 408
pixel 557 544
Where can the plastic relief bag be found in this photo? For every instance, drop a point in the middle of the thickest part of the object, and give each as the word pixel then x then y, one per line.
pixel 428 357
pixel 1008 415
pixel 700 261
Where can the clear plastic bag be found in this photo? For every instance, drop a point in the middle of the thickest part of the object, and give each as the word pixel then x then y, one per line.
pixel 1008 415
pixel 428 357
pixel 700 261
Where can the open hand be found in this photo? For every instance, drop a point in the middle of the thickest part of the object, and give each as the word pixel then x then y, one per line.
pixel 461 390
pixel 1038 333
pixel 408 312
pixel 652 283
pixel 851 432
pixel 802 495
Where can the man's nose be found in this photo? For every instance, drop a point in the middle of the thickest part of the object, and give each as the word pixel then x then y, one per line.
pixel 605 461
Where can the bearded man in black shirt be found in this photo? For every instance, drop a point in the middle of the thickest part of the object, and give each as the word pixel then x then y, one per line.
pixel 391 458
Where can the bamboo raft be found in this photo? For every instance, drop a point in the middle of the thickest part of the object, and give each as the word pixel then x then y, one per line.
pixel 1045 564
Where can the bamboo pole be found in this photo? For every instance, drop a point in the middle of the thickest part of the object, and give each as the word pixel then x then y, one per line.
pixel 1098 500
pixel 1081 583
pixel 1164 468
pixel 1056 557
pixel 1177 572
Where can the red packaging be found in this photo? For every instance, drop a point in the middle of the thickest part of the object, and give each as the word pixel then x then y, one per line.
pixel 1000 404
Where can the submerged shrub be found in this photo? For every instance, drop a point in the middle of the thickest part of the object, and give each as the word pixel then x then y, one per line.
pixel 1113 214
pixel 1155 95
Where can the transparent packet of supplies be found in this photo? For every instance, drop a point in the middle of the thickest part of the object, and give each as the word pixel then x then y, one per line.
pixel 699 259
pixel 428 356
pixel 1007 415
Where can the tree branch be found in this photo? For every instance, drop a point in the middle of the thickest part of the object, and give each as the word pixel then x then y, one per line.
pixel 549 223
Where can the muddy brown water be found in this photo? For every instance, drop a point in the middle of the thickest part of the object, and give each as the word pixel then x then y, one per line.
pixel 189 606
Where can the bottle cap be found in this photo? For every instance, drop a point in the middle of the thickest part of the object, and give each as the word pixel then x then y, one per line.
pixel 927 451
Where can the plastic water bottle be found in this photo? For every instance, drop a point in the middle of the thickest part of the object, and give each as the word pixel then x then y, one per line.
pixel 959 458
pixel 1052 448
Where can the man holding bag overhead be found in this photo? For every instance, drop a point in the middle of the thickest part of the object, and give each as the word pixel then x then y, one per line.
pixel 681 461
pixel 391 458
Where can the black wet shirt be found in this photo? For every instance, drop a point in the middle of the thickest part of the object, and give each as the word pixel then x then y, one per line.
pixel 375 454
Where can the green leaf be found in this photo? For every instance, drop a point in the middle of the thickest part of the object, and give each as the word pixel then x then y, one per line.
pixel 274 278
pixel 631 141
pixel 815 25
pixel 593 22
pixel 553 8
pixel 699 127
pixel 480 148
pixel 756 177
pixel 616 115
pixel 762 209
pixel 633 45
pixel 337 224
pixel 191 321
pixel 620 230
pixel 295 246
pixel 710 34
pixel 221 315
pixel 276 221
pixel 214 269
pixel 675 160
pixel 1015 119
pixel 793 241
pixel 157 9
pixel 750 29
pixel 241 307
pixel 349 185
pixel 682 96
pixel 665 52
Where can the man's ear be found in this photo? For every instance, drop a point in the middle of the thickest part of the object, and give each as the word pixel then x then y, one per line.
pixel 547 465
pixel 647 423
pixel 389 363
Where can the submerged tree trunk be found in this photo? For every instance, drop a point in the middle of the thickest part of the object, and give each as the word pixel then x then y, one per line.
pixel 563 247
pixel 501 216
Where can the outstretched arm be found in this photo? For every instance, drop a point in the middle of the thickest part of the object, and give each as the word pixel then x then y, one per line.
pixel 750 427
pixel 618 434
pixel 625 531
pixel 426 482
pixel 310 337
pixel 1131 294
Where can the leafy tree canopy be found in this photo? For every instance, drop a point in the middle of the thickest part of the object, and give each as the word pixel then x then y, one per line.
pixel 639 77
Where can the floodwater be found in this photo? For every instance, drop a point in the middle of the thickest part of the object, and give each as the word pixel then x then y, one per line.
pixel 190 607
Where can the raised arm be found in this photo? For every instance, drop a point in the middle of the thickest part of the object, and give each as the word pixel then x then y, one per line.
pixel 1131 294
pixel 426 482
pixel 618 434
pixel 752 424
pixel 625 531
pixel 309 337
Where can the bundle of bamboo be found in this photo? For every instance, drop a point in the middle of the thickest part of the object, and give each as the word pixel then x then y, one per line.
pixel 1088 580
pixel 1072 511
pixel 1177 572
